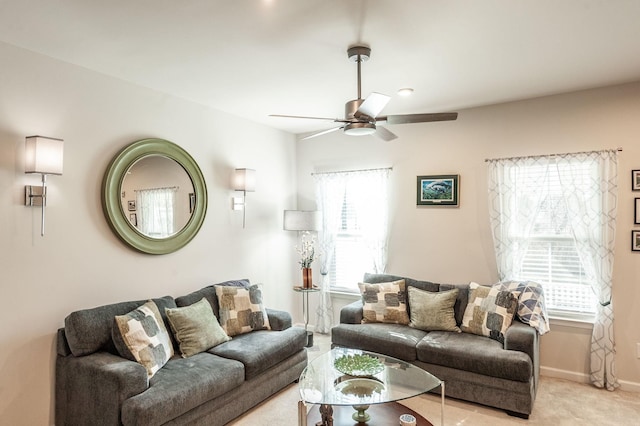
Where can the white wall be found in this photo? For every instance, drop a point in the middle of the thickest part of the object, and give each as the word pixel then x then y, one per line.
pixel 454 245
pixel 80 263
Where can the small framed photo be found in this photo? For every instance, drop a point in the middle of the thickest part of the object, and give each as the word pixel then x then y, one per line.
pixel 635 180
pixel 132 205
pixel 438 190
pixel 133 218
pixel 635 240
pixel 636 211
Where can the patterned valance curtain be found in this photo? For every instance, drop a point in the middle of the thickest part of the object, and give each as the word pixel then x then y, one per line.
pixel 591 202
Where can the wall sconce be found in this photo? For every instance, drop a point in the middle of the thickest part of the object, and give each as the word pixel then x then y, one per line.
pixel 42 155
pixel 243 180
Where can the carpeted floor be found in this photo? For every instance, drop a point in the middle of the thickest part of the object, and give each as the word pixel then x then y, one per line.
pixel 558 403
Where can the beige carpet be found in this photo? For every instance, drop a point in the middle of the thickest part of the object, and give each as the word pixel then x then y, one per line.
pixel 558 403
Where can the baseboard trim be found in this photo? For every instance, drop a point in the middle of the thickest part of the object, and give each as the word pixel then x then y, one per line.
pixel 557 373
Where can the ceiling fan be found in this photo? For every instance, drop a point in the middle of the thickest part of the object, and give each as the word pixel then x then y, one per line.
pixel 361 115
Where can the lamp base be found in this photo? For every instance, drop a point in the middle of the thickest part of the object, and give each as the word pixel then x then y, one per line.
pixel 309 339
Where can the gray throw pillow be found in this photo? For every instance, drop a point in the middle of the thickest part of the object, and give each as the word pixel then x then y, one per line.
pixel 432 311
pixel 196 328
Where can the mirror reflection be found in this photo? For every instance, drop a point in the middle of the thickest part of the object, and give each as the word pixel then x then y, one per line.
pixel 157 196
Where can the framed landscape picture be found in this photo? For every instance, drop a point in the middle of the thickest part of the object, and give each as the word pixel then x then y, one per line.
pixel 438 190
pixel 636 211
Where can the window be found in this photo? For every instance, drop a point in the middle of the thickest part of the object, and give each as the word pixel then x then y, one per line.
pixel 351 257
pixel 155 211
pixel 551 257
pixel 535 239
pixel 354 238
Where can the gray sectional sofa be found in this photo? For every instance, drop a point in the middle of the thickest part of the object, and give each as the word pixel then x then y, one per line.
pixel 96 386
pixel 474 368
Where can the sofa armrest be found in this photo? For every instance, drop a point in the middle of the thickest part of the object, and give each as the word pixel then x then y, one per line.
pixel 524 338
pixel 95 385
pixel 279 320
pixel 352 313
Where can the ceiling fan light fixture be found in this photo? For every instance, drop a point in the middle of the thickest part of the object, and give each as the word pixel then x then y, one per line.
pixel 360 129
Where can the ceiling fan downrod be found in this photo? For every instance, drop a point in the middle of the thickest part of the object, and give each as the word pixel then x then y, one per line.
pixel 359 54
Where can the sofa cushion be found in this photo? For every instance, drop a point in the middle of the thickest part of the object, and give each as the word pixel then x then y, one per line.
pixel 261 350
pixel 478 354
pixel 395 340
pixel 195 328
pixel 141 334
pixel 209 293
pixel 461 300
pixel 409 282
pixel 241 309
pixel 489 312
pixel 433 310
pixel 384 302
pixel 181 385
pixel 89 330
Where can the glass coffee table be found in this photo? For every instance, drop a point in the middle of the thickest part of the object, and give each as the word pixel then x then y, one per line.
pixel 360 379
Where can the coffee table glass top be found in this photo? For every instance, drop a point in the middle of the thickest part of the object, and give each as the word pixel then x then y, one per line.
pixel 322 383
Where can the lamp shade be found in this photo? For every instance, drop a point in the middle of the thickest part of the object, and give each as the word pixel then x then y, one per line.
pixel 43 155
pixel 302 220
pixel 244 180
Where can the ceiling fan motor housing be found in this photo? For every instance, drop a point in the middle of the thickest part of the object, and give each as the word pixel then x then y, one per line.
pixel 350 109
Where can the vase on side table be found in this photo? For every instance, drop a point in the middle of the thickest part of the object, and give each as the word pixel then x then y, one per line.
pixel 306 278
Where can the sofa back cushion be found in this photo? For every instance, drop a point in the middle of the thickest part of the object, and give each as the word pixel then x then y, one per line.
pixel 209 293
pixel 89 330
pixel 461 300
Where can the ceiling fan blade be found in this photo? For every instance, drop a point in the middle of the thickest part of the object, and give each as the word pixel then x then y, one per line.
pixel 419 118
pixel 385 134
pixel 337 120
pixel 372 105
pixel 324 132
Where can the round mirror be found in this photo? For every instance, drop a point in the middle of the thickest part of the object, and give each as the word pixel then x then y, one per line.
pixel 154 196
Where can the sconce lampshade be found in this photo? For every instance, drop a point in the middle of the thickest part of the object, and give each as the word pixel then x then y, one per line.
pixel 244 180
pixel 302 220
pixel 43 155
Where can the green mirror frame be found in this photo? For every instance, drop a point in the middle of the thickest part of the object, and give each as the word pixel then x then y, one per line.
pixel 112 206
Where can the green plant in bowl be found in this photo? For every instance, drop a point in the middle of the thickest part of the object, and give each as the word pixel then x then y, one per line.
pixel 358 365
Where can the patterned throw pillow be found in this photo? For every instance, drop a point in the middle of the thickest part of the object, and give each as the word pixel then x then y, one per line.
pixel 489 312
pixel 431 311
pixel 196 328
pixel 143 333
pixel 384 302
pixel 241 309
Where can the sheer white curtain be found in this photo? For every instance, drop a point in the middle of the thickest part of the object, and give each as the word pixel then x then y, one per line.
pixel 367 190
pixel 330 190
pixel 514 202
pixel 155 211
pixel 592 204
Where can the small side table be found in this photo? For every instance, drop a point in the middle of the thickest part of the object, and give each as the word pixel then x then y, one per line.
pixel 305 310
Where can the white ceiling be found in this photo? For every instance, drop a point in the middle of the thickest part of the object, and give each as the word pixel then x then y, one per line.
pixel 253 58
